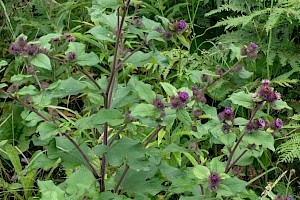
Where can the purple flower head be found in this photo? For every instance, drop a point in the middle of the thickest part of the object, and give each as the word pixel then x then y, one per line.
pixel 71 56
pixel 14 49
pixel 214 181
pixel 225 128
pixel 278 123
pixel 184 96
pixel 261 123
pixel 265 83
pixel 30 70
pixel 197 113
pixel 31 49
pixel 288 198
pixel 158 104
pixel 22 41
pixel 195 88
pixel 252 47
pixel 182 24
pixel 168 35
pixel 277 95
pixel 228 111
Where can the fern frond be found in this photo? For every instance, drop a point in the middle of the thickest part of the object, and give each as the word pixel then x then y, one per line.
pixel 290 150
pixel 232 22
pixel 285 82
pixel 295 117
pixel 227 7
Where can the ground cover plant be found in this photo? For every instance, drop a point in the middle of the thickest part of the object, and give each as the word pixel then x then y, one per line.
pixel 117 100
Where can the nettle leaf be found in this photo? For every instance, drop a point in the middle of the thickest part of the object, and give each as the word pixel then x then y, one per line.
pixel 279 105
pixel 112 116
pixel 102 33
pixel 128 151
pixel 184 116
pixel 242 99
pixel 215 165
pixel 42 61
pixel 28 90
pixel 88 59
pixel 244 74
pixel 149 24
pixel 201 172
pixel 228 139
pixel 145 92
pixel 139 59
pixel 79 183
pixel 41 160
pixel 195 75
pixel 144 110
pixel 260 138
pixel 235 184
pixel 50 191
pixel 66 87
pixel 20 79
pixel 47 130
pixel 154 35
pixel 169 89
pixel 170 116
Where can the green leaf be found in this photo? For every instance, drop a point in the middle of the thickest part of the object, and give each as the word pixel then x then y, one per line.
pixel 201 172
pixel 154 35
pixel 235 184
pixel 169 89
pixel 112 116
pixel 28 90
pixel 260 138
pixel 215 165
pixel 244 74
pixel 88 59
pixel 50 191
pixel 101 33
pixel 79 183
pixel 220 89
pixel 149 24
pixel 13 156
pixel 279 105
pixel 174 148
pixel 47 130
pixel 66 87
pixel 42 61
pixel 3 63
pixel 144 110
pixel 242 99
pixel 184 116
pixel 145 92
pixel 228 139
pixel 183 41
pixel 2 85
pixel 128 151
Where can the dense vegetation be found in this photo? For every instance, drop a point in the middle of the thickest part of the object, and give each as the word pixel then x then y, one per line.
pixel 153 99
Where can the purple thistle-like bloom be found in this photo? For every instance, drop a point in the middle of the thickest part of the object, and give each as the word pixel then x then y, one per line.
pixel 184 96
pixel 252 47
pixel 277 95
pixel 255 95
pixel 14 49
pixel 158 104
pixel 288 198
pixel 278 123
pixel 71 56
pixel 261 123
pixel 265 83
pixel 194 88
pixel 228 111
pixel 182 24
pixel 214 181
pixel 225 128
